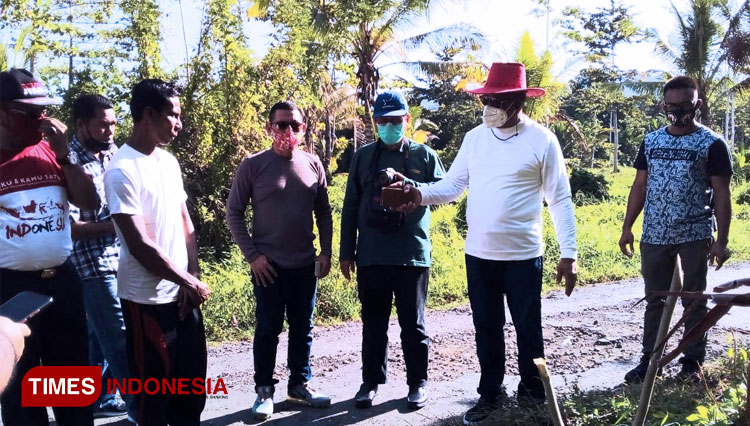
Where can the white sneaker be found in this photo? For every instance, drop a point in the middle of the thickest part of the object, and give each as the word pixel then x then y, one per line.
pixel 263 407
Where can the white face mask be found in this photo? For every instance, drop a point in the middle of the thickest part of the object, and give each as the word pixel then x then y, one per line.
pixel 494 117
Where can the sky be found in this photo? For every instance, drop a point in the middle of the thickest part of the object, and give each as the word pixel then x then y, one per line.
pixel 503 22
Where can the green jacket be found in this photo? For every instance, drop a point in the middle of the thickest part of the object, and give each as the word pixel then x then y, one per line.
pixel 410 245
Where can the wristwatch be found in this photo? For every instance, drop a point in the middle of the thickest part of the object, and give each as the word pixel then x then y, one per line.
pixel 70 159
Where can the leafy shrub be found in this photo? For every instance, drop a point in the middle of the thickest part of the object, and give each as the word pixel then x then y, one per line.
pixel 588 188
pixel 230 311
pixel 460 219
pixel 743 197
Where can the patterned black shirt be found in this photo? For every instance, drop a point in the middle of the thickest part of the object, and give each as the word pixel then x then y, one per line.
pixel 678 204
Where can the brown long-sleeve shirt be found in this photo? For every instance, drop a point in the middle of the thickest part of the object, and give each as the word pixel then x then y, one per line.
pixel 284 194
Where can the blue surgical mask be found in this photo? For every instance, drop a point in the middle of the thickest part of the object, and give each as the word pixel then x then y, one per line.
pixel 391 134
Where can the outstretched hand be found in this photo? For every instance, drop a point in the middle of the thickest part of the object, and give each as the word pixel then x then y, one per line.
pixel 414 198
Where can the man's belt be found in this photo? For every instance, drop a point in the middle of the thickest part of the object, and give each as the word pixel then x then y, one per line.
pixel 45 274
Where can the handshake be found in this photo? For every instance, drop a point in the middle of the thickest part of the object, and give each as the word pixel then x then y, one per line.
pixel 397 194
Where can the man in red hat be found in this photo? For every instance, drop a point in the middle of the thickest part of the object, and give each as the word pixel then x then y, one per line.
pixel 511 164
pixel 38 176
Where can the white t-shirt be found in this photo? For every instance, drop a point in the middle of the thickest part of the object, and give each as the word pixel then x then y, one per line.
pixel 507 181
pixel 149 186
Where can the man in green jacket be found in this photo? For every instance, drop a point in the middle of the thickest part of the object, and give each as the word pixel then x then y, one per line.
pixel 391 249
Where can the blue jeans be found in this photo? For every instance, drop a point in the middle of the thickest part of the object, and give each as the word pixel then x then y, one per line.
pixel 293 291
pixel 521 283
pixel 106 333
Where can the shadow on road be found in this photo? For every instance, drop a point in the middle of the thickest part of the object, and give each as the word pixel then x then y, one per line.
pixel 340 413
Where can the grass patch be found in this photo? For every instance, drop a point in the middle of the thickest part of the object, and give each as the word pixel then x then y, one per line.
pixel 229 314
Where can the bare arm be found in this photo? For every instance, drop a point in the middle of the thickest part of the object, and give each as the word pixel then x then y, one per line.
pixel 150 256
pixel 636 200
pixel 718 252
pixel 87 230
pixel 722 206
pixel 194 268
pixel 81 191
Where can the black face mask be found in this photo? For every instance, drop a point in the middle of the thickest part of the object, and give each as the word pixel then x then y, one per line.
pixel 680 118
pixel 94 145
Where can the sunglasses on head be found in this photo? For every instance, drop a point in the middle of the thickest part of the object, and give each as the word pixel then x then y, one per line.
pixel 283 125
pixel 398 119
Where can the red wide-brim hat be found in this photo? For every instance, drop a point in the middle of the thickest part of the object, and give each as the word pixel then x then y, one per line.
pixel 507 78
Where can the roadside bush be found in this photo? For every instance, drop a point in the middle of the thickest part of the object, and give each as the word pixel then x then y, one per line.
pixel 743 197
pixel 230 311
pixel 587 187
pixel 460 219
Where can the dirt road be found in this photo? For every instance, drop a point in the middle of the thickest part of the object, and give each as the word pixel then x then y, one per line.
pixel 592 339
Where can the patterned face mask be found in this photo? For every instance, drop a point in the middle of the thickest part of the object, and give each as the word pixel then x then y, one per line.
pixel 680 118
pixel 285 141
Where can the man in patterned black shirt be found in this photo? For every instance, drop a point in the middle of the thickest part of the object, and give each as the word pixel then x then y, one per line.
pixel 681 183
pixel 96 250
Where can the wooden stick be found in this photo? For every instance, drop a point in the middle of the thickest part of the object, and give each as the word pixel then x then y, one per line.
pixel 554 409
pixel 666 318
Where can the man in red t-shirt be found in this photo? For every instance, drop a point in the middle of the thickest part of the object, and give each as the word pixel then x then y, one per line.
pixel 38 176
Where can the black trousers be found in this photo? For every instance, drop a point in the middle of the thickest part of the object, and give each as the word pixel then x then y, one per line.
pixel 160 346
pixel 58 338
pixel 378 286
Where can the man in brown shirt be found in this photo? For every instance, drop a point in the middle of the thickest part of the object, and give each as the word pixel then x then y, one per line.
pixel 285 187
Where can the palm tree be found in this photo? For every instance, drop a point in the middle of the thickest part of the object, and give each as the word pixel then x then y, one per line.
pixel 370 30
pixel 698 53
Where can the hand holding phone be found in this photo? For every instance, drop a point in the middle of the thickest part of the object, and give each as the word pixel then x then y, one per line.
pixel 393 197
pixel 24 305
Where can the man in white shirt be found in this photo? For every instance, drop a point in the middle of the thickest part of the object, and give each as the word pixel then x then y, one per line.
pixel 510 163
pixel 158 278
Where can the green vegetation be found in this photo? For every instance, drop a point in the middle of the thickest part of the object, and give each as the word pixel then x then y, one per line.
pixel 720 400
pixel 229 312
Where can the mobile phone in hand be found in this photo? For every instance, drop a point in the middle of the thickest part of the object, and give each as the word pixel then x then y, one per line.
pixel 317 269
pixel 393 197
pixel 24 305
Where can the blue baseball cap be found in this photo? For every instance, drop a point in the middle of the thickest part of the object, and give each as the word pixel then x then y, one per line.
pixel 390 103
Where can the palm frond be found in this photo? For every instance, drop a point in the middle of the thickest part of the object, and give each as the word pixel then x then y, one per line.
pixel 425 69
pixel 457 35
pixel 743 87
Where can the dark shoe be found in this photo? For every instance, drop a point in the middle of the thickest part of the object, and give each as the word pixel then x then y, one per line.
pixel 111 408
pixel 637 374
pixel 365 395
pixel 691 370
pixel 304 394
pixel 531 395
pixel 417 397
pixel 481 411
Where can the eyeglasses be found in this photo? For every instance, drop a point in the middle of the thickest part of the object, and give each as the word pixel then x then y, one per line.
pixel 497 102
pixel 282 125
pixel 389 120
pixel 33 113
